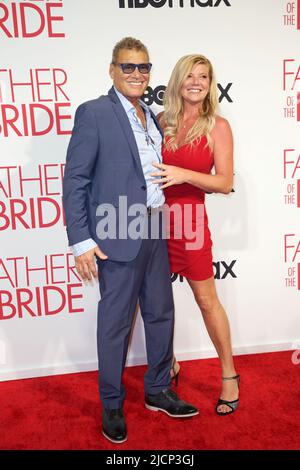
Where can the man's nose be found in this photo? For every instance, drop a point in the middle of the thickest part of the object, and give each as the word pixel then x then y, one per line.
pixel 136 73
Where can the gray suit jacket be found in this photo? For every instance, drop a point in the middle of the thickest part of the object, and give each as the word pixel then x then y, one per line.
pixel 102 164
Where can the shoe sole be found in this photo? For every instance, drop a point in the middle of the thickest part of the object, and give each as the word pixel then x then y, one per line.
pixel 113 440
pixel 155 408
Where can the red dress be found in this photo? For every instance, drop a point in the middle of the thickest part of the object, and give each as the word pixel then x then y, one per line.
pixel 189 256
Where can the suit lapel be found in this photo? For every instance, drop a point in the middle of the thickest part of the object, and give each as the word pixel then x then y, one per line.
pixel 126 127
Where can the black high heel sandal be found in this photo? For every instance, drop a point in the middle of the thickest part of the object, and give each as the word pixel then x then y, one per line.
pixel 232 404
pixel 175 374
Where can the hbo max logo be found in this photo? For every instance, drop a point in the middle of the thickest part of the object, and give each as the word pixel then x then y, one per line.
pixel 156 95
pixel 170 3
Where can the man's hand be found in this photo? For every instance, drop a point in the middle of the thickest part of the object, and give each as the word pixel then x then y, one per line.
pixel 85 263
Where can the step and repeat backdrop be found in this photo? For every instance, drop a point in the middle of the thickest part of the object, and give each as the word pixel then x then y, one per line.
pixel 53 56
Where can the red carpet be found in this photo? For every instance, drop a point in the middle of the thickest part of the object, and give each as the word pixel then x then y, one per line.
pixel 63 412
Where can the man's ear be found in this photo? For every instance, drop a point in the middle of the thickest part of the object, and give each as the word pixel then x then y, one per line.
pixel 111 71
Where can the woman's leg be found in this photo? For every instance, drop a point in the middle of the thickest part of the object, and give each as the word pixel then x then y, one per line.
pixel 217 325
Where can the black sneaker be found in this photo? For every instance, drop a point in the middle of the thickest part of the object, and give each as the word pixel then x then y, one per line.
pixel 114 426
pixel 168 402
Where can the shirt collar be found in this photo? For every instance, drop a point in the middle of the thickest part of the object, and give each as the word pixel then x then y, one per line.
pixel 127 105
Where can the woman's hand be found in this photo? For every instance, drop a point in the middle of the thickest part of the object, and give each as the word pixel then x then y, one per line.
pixel 170 175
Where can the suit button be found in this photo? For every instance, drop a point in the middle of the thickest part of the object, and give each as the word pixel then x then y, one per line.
pixel 143 188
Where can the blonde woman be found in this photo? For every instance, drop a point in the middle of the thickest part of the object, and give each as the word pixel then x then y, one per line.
pixel 196 140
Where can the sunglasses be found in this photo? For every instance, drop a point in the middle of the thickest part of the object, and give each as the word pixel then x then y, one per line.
pixel 130 68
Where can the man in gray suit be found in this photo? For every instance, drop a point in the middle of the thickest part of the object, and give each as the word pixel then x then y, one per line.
pixel 115 140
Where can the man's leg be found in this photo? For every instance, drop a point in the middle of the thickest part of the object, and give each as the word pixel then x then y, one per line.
pixel 119 288
pixel 156 301
pixel 120 284
pixel 157 308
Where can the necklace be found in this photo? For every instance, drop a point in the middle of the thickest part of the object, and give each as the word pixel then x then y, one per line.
pixel 141 115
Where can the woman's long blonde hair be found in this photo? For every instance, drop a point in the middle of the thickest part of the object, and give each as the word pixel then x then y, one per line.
pixel 173 103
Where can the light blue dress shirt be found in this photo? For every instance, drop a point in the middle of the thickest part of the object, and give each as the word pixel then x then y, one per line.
pixel 149 146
